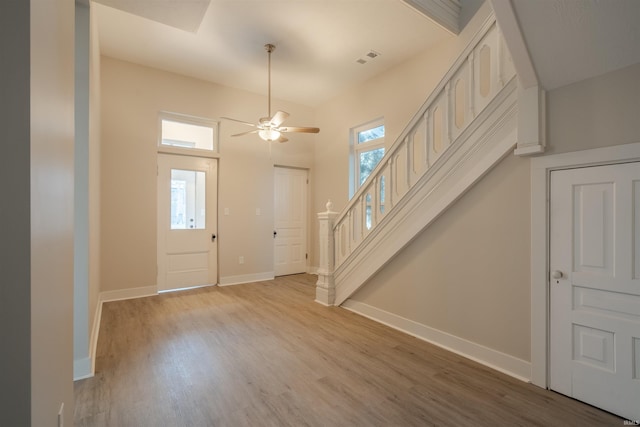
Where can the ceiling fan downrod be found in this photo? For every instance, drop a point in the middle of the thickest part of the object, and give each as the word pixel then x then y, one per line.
pixel 269 48
pixel 270 128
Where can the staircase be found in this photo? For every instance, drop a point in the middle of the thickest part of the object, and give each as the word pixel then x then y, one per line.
pixel 467 125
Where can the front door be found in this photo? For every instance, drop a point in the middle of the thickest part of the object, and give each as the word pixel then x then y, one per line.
pixel 595 286
pixel 290 234
pixel 187 221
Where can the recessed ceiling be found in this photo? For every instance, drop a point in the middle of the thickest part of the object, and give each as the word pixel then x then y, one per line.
pixel 182 14
pixel 318 42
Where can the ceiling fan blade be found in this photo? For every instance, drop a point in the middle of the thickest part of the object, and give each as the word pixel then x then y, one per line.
pixel 236 120
pixel 298 129
pixel 278 118
pixel 246 133
pixel 282 139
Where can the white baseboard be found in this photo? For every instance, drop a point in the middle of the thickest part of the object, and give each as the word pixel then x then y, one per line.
pixel 120 294
pixel 312 270
pixel 246 278
pixel 494 359
pixel 86 367
pixel 95 331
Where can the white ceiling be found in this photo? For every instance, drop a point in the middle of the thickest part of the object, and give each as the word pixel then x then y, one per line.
pixel 317 41
pixel 571 40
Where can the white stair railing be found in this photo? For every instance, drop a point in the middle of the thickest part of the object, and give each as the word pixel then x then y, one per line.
pixel 475 79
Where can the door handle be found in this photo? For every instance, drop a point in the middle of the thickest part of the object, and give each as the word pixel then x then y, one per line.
pixel 275 233
pixel 213 237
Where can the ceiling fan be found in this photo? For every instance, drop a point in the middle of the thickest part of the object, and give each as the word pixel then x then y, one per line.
pixel 270 128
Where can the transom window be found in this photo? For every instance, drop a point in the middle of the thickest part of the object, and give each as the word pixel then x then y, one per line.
pixel 367 149
pixel 187 133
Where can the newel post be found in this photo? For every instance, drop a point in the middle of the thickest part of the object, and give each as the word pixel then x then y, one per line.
pixel 325 287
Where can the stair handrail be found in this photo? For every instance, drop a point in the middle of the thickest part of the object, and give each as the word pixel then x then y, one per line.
pixel 482 31
pixel 384 187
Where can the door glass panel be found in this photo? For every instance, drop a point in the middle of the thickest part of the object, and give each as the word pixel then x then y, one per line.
pixel 187 199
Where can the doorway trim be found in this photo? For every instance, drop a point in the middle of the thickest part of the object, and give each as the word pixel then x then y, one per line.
pixel 541 168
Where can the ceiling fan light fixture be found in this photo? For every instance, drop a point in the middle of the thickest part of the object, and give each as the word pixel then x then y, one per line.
pixel 269 128
pixel 269 134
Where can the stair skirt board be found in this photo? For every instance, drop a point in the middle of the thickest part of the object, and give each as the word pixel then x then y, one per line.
pixel 507 364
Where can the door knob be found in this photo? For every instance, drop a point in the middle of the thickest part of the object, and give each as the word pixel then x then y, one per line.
pixel 556 274
pixel 213 237
pixel 275 233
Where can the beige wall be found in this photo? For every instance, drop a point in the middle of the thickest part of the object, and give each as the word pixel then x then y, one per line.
pixel 597 112
pixel 395 95
pixel 131 98
pixel 52 173
pixel 81 323
pixel 468 274
pixel 15 290
pixel 94 171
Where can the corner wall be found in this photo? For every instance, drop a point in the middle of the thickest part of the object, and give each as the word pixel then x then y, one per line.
pixel 94 183
pixel 15 285
pixel 87 190
pixel 81 323
pixel 465 280
pixel 52 229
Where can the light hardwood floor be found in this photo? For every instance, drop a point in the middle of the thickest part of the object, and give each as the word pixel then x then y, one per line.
pixel 265 354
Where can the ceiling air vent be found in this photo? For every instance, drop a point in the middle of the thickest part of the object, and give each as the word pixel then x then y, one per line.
pixel 370 55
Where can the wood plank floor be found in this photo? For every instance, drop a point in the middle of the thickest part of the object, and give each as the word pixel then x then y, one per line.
pixel 265 354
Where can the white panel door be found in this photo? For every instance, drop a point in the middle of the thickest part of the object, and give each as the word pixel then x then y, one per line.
pixel 290 235
pixel 595 286
pixel 187 221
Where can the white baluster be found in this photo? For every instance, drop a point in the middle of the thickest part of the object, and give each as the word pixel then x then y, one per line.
pixel 449 113
pixel 391 184
pixel 350 243
pixel 499 57
pixel 375 201
pixel 407 157
pixel 428 138
pixel 471 89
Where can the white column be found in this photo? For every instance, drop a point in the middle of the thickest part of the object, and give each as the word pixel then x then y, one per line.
pixel 325 286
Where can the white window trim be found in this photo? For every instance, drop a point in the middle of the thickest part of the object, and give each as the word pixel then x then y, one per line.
pixel 193 120
pixel 355 149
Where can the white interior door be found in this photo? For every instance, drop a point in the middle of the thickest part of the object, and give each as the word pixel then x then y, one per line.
pixel 595 286
pixel 290 235
pixel 187 221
